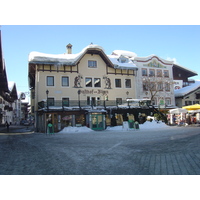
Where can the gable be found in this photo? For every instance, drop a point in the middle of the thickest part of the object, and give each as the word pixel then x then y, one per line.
pixel 154 61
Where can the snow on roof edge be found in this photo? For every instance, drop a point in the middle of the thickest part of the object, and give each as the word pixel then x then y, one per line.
pixel 185 90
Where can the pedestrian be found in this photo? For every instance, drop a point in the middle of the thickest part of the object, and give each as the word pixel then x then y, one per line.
pixel 7 125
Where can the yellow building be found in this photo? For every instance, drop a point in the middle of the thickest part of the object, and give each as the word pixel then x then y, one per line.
pixel 79 89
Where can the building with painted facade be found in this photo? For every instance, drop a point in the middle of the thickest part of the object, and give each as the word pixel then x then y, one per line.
pixel 79 89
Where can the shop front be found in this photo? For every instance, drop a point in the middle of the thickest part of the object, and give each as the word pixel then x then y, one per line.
pixel 60 120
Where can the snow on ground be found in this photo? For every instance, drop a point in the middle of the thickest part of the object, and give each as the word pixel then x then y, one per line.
pixel 71 129
pixel 147 125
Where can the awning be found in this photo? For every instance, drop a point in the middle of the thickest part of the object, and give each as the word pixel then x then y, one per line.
pixel 192 107
pixel 178 111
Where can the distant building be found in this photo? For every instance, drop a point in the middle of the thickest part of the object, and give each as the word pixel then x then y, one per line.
pixel 8 94
pixel 188 95
pixel 181 75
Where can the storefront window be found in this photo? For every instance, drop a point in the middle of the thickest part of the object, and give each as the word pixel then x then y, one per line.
pixel 79 120
pixel 66 121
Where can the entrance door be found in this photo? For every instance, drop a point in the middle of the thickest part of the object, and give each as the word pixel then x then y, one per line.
pixel 53 118
pixel 97 122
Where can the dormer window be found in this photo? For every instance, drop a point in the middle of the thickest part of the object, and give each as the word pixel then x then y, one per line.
pixel 122 59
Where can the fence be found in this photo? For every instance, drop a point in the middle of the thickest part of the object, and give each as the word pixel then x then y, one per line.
pixel 81 103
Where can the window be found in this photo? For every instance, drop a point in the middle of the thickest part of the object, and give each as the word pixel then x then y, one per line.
pixel 50 101
pixel 197 96
pixel 167 86
pixel 160 86
pixel 65 102
pixel 145 86
pixel 144 72
pixel 168 101
pixel 118 83
pixel 50 80
pixel 152 86
pixel 159 73
pixel 128 83
pixel 187 103
pixel 97 82
pixel 151 72
pixel 65 81
pixel 166 73
pixel 88 82
pixel 154 101
pixel 119 101
pixel 92 63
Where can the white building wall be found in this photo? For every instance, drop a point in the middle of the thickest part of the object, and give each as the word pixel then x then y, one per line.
pixel 154 63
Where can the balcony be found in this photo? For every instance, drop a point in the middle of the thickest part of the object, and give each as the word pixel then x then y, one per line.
pixel 84 104
pixel 75 104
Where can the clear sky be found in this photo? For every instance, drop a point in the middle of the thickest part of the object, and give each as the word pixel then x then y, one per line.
pixel 178 42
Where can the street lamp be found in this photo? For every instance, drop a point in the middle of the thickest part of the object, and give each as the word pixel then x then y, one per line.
pixel 127 93
pixel 47 92
pixel 79 103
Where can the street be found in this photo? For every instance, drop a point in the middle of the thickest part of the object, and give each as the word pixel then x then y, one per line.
pixel 170 151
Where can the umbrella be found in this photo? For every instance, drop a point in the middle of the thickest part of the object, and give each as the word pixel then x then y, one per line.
pixel 177 111
pixel 192 107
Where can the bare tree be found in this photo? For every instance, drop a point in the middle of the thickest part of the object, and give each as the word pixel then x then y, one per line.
pixel 154 85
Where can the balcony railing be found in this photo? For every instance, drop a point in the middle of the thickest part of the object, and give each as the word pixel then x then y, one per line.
pixel 81 103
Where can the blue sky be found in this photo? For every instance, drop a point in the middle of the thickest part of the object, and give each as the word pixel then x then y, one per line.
pixel 181 43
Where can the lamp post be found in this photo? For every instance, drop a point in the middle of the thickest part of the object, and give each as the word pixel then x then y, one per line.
pixel 127 93
pixel 47 92
pixel 79 103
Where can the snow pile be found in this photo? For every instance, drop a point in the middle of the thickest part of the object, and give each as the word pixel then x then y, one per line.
pixel 153 125
pixel 147 125
pixel 71 129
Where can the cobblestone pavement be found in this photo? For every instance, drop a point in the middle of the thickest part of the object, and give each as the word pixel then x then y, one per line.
pixel 170 151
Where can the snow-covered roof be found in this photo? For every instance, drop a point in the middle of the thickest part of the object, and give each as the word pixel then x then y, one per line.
pixel 117 64
pixel 128 54
pixel 68 59
pixel 11 84
pixel 185 90
pixel 72 59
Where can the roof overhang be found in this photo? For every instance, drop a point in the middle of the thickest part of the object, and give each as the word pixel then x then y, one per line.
pixel 189 72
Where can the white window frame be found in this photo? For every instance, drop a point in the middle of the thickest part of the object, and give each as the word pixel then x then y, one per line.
pixel 92 64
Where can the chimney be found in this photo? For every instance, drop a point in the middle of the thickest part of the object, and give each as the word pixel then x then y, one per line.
pixel 69 48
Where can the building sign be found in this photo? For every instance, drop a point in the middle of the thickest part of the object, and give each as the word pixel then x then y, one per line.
pixel 98 92
pixel 178 84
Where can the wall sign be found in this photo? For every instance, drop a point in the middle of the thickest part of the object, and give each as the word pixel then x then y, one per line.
pixel 98 92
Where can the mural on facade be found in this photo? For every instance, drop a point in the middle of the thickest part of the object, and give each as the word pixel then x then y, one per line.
pixel 155 63
pixel 107 82
pixel 77 81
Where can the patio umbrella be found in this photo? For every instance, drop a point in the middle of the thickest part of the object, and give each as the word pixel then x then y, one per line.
pixel 192 107
pixel 177 111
